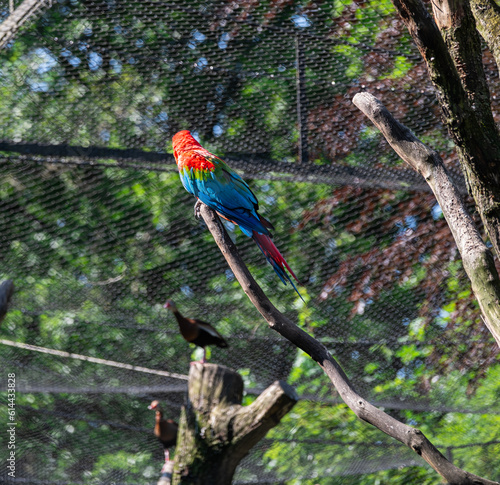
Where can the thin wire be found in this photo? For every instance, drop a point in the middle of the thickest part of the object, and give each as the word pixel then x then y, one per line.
pixel 376 444
pixel 395 179
pixel 251 391
pixel 75 417
pixel 95 360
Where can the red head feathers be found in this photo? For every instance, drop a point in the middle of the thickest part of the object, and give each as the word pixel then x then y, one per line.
pixel 215 184
pixel 184 141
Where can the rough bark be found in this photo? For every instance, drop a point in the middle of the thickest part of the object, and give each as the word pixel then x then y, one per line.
pixel 458 29
pixel 215 431
pixel 452 56
pixel 411 437
pixel 10 26
pixel 487 15
pixel 477 259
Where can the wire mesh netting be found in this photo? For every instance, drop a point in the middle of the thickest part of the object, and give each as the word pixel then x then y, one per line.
pixel 97 232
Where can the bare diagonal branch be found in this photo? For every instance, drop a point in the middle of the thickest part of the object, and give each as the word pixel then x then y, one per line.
pixel 411 437
pixel 10 26
pixel 477 258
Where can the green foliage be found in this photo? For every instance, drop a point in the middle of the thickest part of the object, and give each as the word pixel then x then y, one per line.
pixel 132 465
pixel 96 250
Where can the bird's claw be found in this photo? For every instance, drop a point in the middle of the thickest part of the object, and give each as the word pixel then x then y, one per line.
pixel 197 209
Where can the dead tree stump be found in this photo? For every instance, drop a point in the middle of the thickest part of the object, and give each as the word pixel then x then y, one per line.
pixel 216 431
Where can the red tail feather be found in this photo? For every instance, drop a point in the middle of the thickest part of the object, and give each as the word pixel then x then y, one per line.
pixel 272 252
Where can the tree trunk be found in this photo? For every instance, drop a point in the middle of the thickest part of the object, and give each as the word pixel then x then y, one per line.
pixel 216 431
pixel 487 15
pixel 480 156
pixel 452 52
pixel 477 259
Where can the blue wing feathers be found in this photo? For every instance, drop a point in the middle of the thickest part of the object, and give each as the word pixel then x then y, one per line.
pixel 186 181
pixel 226 192
pixel 215 184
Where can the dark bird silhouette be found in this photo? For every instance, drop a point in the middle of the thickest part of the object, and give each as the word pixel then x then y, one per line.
pixel 165 429
pixel 196 332
pixel 6 291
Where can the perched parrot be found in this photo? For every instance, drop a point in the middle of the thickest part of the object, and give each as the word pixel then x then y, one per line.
pixel 215 184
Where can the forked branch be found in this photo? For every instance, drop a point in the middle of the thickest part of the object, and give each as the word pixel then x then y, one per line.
pixel 216 431
pixel 411 437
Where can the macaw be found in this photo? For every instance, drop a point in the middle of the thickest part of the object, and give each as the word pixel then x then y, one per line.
pixel 215 184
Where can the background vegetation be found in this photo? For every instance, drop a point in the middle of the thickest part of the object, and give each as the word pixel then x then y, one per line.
pixel 96 240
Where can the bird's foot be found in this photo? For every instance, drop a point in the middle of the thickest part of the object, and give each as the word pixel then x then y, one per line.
pixel 194 362
pixel 197 209
pixel 165 466
pixel 167 470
